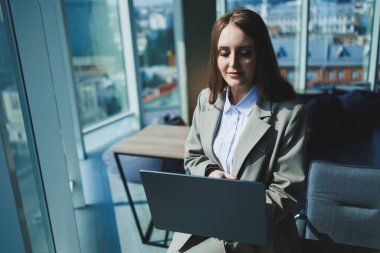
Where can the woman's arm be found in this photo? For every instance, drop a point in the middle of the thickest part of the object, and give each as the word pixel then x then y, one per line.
pixel 196 162
pixel 288 174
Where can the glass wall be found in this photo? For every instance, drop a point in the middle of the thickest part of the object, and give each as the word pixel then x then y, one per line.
pixel 339 42
pixel 283 19
pixel 97 56
pixel 22 168
pixel 155 46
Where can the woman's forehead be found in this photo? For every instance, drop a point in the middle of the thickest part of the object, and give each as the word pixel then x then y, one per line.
pixel 233 36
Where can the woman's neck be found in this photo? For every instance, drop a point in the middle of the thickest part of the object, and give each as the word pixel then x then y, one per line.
pixel 237 94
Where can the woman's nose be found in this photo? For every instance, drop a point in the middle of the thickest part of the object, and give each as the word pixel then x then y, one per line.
pixel 233 61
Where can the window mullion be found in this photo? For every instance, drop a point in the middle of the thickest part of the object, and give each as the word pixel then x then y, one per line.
pixel 374 45
pixel 221 7
pixel 179 38
pixel 131 60
pixel 303 46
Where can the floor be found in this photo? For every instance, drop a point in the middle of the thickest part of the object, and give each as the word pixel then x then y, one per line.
pixel 106 224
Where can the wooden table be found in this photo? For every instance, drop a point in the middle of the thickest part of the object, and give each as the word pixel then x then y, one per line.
pixel 157 141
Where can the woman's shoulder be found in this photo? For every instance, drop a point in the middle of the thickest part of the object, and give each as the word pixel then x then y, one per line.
pixel 288 106
pixel 204 94
pixel 203 98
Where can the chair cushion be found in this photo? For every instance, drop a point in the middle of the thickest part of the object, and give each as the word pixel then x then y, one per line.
pixel 343 204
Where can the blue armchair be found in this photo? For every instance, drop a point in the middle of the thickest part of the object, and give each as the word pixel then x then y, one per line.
pixel 342 212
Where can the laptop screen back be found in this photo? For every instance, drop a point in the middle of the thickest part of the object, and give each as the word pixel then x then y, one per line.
pixel 226 209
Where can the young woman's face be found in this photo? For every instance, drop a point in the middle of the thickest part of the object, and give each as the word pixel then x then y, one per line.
pixel 236 58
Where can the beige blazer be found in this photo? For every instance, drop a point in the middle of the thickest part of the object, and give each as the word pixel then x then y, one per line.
pixel 271 149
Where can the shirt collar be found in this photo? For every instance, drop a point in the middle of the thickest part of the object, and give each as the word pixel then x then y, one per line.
pixel 245 105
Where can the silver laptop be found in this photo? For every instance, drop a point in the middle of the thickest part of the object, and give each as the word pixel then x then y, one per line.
pixel 231 210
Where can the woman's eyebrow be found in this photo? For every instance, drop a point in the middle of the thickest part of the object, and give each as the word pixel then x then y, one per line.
pixel 246 46
pixel 239 47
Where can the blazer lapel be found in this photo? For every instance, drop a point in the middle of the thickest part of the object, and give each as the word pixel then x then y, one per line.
pixel 209 122
pixel 252 133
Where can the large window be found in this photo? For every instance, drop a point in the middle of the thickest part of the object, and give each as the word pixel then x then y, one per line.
pixel 155 44
pixel 283 19
pixel 339 41
pixel 97 58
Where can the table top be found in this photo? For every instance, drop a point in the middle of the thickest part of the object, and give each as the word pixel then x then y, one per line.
pixel 162 141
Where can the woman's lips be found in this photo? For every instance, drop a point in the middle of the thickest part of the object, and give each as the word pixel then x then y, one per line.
pixel 234 74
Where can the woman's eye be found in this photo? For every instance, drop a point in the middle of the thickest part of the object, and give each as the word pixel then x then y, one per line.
pixel 223 53
pixel 245 53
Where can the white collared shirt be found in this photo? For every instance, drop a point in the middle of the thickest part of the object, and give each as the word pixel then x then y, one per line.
pixel 234 120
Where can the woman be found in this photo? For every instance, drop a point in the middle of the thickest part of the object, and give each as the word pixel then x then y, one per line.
pixel 248 126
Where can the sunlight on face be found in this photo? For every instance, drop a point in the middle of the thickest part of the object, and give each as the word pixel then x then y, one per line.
pixel 236 59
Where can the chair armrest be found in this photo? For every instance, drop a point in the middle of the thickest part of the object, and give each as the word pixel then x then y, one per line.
pixel 301 221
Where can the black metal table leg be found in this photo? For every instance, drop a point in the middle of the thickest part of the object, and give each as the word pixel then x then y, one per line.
pixel 145 238
pixel 129 196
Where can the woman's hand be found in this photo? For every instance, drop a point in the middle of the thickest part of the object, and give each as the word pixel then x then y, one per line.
pixel 221 174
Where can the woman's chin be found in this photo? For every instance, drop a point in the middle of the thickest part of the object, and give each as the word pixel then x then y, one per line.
pixel 236 84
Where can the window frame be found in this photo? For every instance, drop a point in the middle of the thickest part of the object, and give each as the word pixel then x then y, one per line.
pixel 40 25
pixel 375 44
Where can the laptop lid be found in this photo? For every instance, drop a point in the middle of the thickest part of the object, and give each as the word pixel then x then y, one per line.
pixel 226 209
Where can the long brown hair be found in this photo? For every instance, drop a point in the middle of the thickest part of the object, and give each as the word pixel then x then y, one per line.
pixel 268 79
